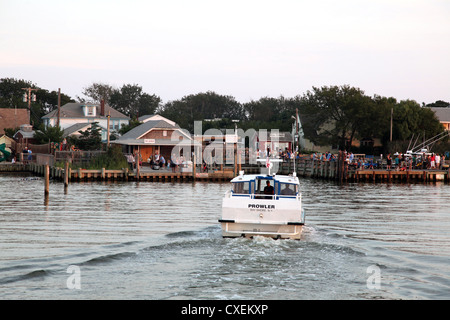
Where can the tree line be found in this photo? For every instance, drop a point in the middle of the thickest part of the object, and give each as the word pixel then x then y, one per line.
pixel 330 115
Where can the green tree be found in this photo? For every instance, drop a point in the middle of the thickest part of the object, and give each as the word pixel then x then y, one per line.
pixel 90 139
pixel 97 92
pixel 439 104
pixel 202 106
pixel 12 95
pixel 48 134
pixel 336 114
pixel 409 119
pixel 133 102
pixel 11 92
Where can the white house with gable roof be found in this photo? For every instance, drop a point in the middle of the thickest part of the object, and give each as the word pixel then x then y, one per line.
pixel 74 117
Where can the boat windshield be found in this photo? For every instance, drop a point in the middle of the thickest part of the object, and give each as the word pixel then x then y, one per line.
pixel 268 187
pixel 288 189
pixel 241 187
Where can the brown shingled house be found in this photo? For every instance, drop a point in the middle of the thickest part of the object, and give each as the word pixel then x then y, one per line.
pixel 12 118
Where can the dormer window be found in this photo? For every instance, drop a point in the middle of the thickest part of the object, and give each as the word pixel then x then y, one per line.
pixel 89 111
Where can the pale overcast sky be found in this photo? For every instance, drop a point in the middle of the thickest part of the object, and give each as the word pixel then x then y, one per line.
pixel 247 49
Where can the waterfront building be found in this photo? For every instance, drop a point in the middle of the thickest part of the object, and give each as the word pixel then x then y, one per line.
pixel 10 144
pixel 155 138
pixel 25 135
pixel 74 117
pixel 12 118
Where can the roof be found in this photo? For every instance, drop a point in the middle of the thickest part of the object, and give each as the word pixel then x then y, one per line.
pixel 443 114
pixel 25 134
pixel 75 110
pixel 77 127
pixel 133 137
pixel 5 139
pixel 155 117
pixel 142 129
pixel 12 118
pixel 280 178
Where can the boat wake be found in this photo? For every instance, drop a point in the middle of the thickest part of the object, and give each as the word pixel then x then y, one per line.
pixel 198 264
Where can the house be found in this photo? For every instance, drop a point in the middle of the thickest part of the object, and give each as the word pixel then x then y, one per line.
pixel 12 118
pixel 156 137
pixel 72 115
pixel 443 115
pixel 25 135
pixel 8 145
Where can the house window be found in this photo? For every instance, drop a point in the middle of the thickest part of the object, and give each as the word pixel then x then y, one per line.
pixel 89 111
pixel 164 133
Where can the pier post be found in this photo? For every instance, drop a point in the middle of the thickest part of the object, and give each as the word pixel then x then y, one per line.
pixel 66 174
pixel 125 174
pixel 341 165
pixel 47 180
pixel 194 167
pixel 138 167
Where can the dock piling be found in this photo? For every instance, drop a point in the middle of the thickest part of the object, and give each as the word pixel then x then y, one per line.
pixel 47 180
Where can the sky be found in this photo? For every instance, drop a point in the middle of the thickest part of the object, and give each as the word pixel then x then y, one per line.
pixel 246 49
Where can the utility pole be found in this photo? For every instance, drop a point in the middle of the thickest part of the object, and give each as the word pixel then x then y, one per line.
pixel 107 130
pixel 28 97
pixel 296 131
pixel 59 108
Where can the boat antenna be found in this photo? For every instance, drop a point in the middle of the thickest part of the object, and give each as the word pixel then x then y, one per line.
pixel 409 145
pixel 268 165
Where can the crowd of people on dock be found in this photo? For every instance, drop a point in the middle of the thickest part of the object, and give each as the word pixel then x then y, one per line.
pixel 408 161
pixel 397 161
pixel 158 162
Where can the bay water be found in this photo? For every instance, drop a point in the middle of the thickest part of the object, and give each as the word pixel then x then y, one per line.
pixel 155 240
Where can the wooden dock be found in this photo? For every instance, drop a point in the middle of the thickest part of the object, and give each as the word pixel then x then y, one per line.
pixel 125 174
pixel 333 170
pixel 326 170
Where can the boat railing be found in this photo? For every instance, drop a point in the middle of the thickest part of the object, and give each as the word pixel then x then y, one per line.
pixel 262 196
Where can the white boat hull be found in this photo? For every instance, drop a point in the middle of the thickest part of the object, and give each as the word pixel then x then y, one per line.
pixel 250 217
pixel 250 230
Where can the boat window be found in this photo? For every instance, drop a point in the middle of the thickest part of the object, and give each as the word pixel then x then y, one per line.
pixel 241 187
pixel 288 189
pixel 261 184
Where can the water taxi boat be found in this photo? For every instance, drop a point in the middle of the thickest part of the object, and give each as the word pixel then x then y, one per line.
pixel 263 205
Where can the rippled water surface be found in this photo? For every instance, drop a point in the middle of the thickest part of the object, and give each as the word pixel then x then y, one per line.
pixel 162 241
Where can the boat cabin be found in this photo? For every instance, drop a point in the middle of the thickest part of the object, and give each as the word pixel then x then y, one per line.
pixel 265 187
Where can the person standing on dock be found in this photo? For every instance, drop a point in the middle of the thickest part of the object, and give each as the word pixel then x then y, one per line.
pixel 432 162
pixel 389 161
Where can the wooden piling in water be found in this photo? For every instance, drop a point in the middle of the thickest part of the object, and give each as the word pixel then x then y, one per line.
pixel 66 174
pixel 46 180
